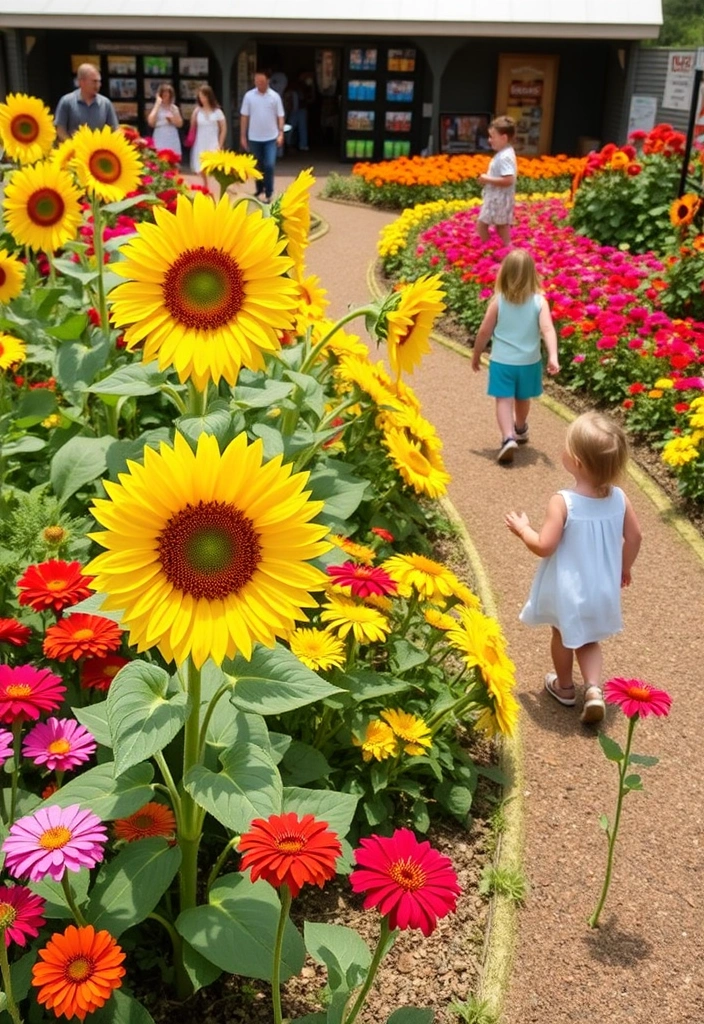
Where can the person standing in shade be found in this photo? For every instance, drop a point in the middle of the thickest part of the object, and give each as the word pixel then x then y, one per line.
pixel 262 130
pixel 84 105
pixel 165 118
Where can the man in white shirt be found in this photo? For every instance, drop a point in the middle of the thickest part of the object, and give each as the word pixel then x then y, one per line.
pixel 262 129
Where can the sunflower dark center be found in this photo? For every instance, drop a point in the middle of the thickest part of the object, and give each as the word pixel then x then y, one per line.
pixel 407 874
pixel 209 550
pixel 3 277
pixel 204 288
pixel 45 207
pixel 24 128
pixel 405 334
pixel 105 166
pixel 80 969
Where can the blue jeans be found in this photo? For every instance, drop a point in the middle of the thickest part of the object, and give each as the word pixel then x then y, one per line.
pixel 265 153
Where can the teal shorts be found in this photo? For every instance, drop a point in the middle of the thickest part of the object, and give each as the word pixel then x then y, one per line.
pixel 521 382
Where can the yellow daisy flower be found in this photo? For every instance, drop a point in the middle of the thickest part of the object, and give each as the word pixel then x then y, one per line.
pixel 206 289
pixel 317 649
pixel 415 426
pixel 500 718
pixel 345 616
pixel 697 420
pixel 227 167
pixel 481 643
pixel 12 352
pixel 312 302
pixel 12 273
pixel 341 343
pixel 379 742
pixel 64 154
pixel 206 552
pixel 464 594
pixel 439 620
pixel 410 323
pixel 107 165
pixel 293 212
pixel 356 370
pixel 26 128
pixel 679 451
pixel 431 580
pixel 42 206
pixel 421 467
pixel 664 383
pixel 360 552
pixel 405 394
pixel 411 730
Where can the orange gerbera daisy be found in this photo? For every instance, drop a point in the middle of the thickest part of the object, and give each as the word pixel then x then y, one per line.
pixel 78 971
pixel 81 635
pixel 152 820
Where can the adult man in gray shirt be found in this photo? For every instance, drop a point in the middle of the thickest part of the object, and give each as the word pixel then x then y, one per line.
pixel 84 105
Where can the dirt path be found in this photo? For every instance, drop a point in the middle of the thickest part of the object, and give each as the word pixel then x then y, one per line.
pixel 646 963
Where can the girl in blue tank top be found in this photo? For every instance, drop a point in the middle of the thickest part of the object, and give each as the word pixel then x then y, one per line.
pixel 514 322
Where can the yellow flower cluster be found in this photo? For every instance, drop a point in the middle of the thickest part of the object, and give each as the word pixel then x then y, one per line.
pixel 395 732
pixel 686 448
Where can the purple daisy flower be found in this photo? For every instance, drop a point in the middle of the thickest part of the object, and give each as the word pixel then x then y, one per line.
pixel 6 749
pixel 59 743
pixel 52 840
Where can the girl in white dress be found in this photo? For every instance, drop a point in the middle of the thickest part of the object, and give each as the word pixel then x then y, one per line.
pixel 210 127
pixel 588 544
pixel 165 118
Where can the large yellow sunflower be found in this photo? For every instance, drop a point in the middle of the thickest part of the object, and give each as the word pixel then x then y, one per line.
pixel 228 167
pixel 500 718
pixel 42 206
pixel 421 466
pixel 415 426
pixel 359 371
pixel 206 291
pixel 344 615
pixel 64 154
pixel 684 209
pixel 431 580
pixel 12 351
pixel 26 128
pixel 108 166
pixel 207 552
pixel 410 324
pixel 11 276
pixel 293 212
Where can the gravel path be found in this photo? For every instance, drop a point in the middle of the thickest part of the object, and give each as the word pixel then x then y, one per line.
pixel 646 963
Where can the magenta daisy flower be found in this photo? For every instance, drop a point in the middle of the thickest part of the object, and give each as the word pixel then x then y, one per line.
pixel 410 882
pixel 363 580
pixel 6 748
pixel 52 840
pixel 637 697
pixel 21 914
pixel 59 743
pixel 26 691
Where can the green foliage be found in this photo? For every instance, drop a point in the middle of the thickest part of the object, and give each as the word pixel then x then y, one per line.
pixel 474 1011
pixel 129 886
pixel 682 24
pixel 508 882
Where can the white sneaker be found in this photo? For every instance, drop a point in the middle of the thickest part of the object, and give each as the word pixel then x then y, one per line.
pixel 506 451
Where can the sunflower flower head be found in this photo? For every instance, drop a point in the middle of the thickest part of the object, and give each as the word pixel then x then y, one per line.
pixel 412 732
pixel 42 206
pixel 420 466
pixel 684 209
pixel 26 128
pixel 12 274
pixel 408 326
pixel 108 166
pixel 379 741
pixel 292 210
pixel 227 167
pixel 207 553
pixel 12 352
pixel 311 303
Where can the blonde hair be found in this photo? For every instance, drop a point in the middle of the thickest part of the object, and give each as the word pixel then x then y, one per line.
pixel 599 445
pixel 504 126
pixel 517 279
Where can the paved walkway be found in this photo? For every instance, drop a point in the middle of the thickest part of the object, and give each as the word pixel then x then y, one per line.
pixel 647 963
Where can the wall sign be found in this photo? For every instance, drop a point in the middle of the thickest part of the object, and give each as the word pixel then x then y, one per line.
pixel 679 80
pixel 642 114
pixel 525 91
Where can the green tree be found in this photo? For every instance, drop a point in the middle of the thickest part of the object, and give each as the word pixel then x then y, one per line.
pixel 683 23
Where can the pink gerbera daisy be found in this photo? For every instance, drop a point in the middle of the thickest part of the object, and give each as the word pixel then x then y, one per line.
pixel 59 743
pixel 6 748
pixel 21 914
pixel 410 882
pixel 637 697
pixel 363 580
pixel 52 840
pixel 26 691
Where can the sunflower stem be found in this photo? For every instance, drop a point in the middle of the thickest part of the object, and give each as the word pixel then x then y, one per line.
pixel 412 605
pixel 100 266
pixel 382 948
pixel 197 400
pixel 173 394
pixel 10 1004
pixel 168 927
pixel 17 753
pixel 218 865
pixel 278 945
pixel 208 715
pixel 593 921
pixel 170 787
pixel 71 902
pixel 188 826
pixel 318 348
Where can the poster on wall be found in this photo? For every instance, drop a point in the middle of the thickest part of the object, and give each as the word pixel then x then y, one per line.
pixel 121 64
pixel 525 91
pixel 642 114
pixel 158 65
pixel 699 118
pixel 193 66
pixel 464 133
pixel 84 58
pixel 327 71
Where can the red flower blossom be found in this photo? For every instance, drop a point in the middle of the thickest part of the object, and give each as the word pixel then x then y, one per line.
pixel 384 534
pixel 98 673
pixel 53 584
pixel 284 850
pixel 637 698
pixel 149 821
pixel 80 635
pixel 13 632
pixel 628 403
pixel 93 316
pixel 411 883
pixel 363 580
pixel 636 388
pixel 25 692
pixel 21 914
pixel 681 407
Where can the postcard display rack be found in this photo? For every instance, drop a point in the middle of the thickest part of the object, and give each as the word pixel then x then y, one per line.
pixel 381 103
pixel 131 81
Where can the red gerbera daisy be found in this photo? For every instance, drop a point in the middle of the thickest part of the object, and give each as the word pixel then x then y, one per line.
pixel 98 673
pixel 81 635
pixel 637 697
pixel 408 881
pixel 284 850
pixel 53 584
pixel 383 534
pixel 25 692
pixel 13 632
pixel 151 820
pixel 21 914
pixel 363 580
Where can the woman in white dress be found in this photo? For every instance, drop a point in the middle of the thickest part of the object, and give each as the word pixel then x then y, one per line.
pixel 210 127
pixel 165 118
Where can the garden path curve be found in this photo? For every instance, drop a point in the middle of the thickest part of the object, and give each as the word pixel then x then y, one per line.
pixel 646 963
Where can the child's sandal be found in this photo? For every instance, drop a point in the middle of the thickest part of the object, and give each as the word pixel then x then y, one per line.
pixel 554 691
pixel 594 707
